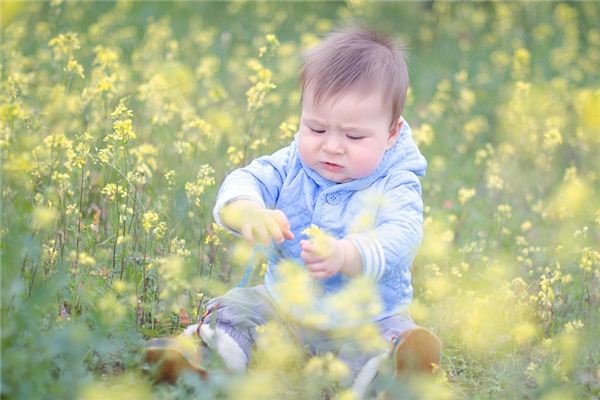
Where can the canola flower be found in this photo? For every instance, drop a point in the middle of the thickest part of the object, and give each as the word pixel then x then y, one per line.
pixel 316 235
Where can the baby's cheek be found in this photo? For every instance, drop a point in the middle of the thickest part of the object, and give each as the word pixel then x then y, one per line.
pixel 306 151
pixel 365 163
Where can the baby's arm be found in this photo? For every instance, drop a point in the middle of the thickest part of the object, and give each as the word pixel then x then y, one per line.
pixel 391 244
pixel 246 198
pixel 394 241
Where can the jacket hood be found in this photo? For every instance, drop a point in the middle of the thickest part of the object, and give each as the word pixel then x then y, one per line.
pixel 403 156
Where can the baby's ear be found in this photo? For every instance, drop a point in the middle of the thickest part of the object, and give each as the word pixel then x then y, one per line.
pixel 394 132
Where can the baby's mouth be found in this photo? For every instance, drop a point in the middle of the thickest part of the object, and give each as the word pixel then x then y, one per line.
pixel 331 166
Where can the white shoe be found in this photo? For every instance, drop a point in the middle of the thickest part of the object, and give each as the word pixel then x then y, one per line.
pixel 366 375
pixel 229 350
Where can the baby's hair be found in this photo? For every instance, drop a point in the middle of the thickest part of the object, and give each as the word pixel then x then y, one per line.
pixel 354 58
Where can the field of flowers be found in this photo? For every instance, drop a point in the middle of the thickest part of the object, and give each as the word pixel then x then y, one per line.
pixel 119 120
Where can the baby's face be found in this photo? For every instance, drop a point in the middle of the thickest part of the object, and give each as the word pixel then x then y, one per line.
pixel 345 138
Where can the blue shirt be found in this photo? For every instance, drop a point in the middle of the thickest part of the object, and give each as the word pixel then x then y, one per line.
pixel 382 214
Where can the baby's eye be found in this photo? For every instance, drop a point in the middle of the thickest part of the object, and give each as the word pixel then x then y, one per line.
pixel 352 137
pixel 315 130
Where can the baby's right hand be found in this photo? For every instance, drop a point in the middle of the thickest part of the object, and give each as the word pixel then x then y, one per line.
pixel 256 224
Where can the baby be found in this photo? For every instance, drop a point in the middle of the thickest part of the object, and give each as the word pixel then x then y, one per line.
pixel 352 147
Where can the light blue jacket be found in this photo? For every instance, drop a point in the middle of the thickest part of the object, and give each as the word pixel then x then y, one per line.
pixel 382 214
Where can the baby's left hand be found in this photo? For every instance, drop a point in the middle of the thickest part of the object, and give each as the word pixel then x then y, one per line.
pixel 324 256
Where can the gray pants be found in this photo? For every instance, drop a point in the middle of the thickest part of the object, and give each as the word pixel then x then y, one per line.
pixel 239 311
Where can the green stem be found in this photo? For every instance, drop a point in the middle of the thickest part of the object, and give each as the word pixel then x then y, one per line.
pixel 79 219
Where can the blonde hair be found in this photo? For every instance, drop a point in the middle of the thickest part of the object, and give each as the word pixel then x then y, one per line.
pixel 358 59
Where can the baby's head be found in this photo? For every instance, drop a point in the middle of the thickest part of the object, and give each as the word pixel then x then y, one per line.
pixel 357 60
pixel 354 86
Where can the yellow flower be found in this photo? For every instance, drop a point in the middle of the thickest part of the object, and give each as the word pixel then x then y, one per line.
pixel 327 366
pixel 495 182
pixel 208 67
pixel 525 226
pixel 318 237
pixel 588 259
pixel 170 178
pixel 129 386
pixel 287 129
pixel 177 246
pixel 587 104
pixel 313 232
pixel 113 191
pixel 111 309
pixel 105 57
pixel 86 259
pixel 466 99
pixel 474 127
pixel 552 138
pixel 521 62
pixel 64 45
pixel 149 220
pixel 465 194
pixel 295 286
pixel 123 130
pixel 524 332
pixel 205 178
pixel 74 67
pixel 43 217
pixel 504 211
pixel 424 135
pixel 160 230
pixel 234 155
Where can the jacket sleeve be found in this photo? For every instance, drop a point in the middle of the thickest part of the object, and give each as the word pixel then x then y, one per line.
pixel 260 181
pixel 398 232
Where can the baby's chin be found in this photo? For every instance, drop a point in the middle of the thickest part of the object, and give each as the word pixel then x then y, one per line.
pixel 335 177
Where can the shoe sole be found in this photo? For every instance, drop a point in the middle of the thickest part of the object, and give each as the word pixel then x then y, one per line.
pixel 172 359
pixel 418 351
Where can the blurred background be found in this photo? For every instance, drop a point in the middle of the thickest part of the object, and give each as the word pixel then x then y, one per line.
pixel 119 120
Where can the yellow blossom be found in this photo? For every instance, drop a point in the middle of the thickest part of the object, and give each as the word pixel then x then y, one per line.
pixel 552 138
pixel 128 386
pixel 123 130
pixel 149 220
pixel 64 45
pixel 43 217
pixel 424 135
pixel 287 129
pixel 113 191
pixel 74 67
pixel 465 194
pixel 86 259
pixel 521 62
pixel 160 230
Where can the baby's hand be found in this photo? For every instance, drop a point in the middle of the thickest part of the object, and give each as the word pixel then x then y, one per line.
pixel 324 256
pixel 263 225
pixel 257 224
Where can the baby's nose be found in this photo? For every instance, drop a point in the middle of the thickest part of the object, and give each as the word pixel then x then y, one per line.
pixel 333 144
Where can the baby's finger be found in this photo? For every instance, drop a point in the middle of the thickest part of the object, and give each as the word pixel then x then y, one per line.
pixel 262 234
pixel 314 268
pixel 274 230
pixel 310 247
pixel 284 224
pixel 320 274
pixel 310 258
pixel 281 219
pixel 247 233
